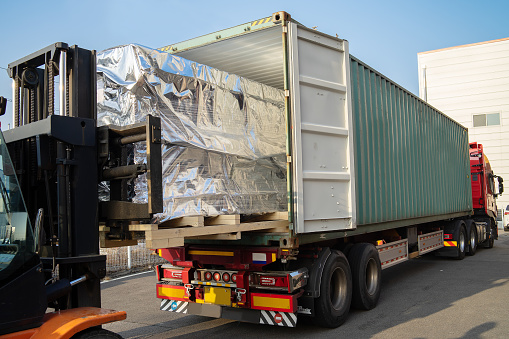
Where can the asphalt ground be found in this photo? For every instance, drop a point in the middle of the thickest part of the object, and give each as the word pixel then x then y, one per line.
pixel 426 297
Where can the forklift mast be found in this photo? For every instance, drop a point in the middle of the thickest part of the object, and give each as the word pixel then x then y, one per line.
pixel 60 157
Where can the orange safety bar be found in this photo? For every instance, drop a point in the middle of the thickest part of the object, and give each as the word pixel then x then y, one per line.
pixel 64 324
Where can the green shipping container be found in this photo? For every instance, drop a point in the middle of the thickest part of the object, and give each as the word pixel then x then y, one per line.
pixel 363 153
pixel 411 160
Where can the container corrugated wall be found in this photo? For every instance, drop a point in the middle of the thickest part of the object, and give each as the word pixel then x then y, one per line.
pixel 411 160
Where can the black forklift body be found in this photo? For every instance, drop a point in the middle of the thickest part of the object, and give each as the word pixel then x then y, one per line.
pixel 60 156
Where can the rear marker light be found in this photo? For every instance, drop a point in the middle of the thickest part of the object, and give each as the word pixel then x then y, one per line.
pixel 267 281
pixel 226 277
pixel 234 278
pixel 273 281
pixel 217 276
pixel 208 276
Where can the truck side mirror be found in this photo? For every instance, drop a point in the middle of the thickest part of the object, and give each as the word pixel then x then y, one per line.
pixel 3 105
pixel 500 185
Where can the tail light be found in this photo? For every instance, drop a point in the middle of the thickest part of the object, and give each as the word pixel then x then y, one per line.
pixel 447 236
pixel 215 277
pixel 273 281
pixel 171 273
pixel 281 280
pixel 176 274
pixel 159 270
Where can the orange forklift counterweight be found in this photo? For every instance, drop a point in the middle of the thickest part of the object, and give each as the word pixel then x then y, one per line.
pixel 64 324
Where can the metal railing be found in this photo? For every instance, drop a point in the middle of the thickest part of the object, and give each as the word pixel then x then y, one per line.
pixel 130 258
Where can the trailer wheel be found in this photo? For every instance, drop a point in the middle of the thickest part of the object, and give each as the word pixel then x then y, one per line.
pixel 333 304
pixel 346 249
pixel 462 241
pixel 366 276
pixel 472 239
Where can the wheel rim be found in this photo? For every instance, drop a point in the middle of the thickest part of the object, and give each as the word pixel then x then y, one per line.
pixel 473 240
pixel 371 276
pixel 338 288
pixel 462 242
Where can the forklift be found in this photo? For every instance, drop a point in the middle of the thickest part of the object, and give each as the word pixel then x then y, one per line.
pixel 51 165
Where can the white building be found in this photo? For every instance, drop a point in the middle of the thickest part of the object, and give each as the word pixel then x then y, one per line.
pixel 470 83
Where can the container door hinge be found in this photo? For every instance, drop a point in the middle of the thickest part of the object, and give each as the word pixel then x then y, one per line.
pixel 156 134
pixel 287 92
pixel 288 158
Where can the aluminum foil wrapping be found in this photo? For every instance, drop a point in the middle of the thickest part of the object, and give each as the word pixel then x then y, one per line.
pixel 224 135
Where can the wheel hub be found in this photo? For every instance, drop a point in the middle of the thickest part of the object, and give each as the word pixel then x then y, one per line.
pixel 338 288
pixel 371 276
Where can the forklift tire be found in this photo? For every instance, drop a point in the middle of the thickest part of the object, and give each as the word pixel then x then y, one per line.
pixel 366 276
pixel 462 242
pixel 96 333
pixel 333 304
pixel 472 239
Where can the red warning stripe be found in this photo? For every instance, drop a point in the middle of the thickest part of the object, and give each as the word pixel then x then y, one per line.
pixel 425 248
pixel 391 247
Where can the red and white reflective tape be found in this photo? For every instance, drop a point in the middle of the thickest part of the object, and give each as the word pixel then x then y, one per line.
pixel 391 247
pixel 286 319
pixel 392 260
pixel 425 248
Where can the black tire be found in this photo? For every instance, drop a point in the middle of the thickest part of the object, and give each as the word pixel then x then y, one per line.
pixel 333 304
pixel 491 240
pixel 462 242
pixel 96 333
pixel 346 249
pixel 366 276
pixel 472 239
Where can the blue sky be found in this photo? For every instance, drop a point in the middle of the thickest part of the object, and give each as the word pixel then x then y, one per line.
pixel 386 35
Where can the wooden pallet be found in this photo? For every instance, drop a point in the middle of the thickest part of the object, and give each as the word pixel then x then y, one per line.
pixel 104 242
pixel 172 233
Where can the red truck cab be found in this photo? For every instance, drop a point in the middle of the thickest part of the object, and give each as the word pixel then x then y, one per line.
pixel 484 191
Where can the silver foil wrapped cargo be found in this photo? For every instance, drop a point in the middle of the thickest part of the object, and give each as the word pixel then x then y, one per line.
pixel 224 135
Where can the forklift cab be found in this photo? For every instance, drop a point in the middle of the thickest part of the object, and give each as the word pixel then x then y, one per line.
pixel 21 275
pixel 17 245
pixel 17 242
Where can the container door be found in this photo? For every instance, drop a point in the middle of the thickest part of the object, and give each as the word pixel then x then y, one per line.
pixel 322 150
